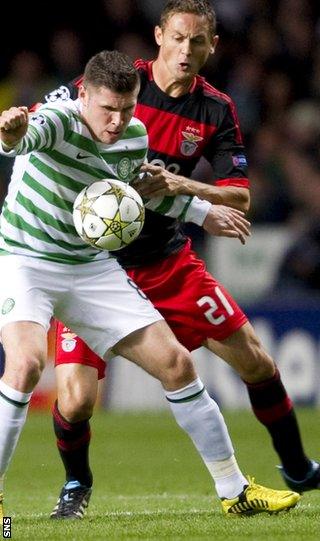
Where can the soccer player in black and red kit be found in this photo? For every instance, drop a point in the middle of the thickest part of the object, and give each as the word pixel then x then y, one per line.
pixel 186 118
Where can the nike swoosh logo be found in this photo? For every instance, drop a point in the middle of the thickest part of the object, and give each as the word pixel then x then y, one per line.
pixel 81 156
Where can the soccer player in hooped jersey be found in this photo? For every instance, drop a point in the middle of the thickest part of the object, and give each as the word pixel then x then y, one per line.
pixel 46 270
pixel 186 118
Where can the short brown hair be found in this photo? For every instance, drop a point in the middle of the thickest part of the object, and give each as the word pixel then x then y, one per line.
pixel 199 7
pixel 113 70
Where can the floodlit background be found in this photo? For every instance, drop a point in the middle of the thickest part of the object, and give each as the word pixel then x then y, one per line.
pixel 268 60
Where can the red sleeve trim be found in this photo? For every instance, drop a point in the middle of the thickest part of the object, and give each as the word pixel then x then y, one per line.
pixel 34 107
pixel 77 82
pixel 239 182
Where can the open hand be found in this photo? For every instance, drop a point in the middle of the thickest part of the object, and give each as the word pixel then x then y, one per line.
pixel 222 221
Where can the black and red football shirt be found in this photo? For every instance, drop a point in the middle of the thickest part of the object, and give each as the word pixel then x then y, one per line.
pixel 202 122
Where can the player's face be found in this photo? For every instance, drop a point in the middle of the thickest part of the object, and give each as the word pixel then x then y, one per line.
pixel 185 44
pixel 107 113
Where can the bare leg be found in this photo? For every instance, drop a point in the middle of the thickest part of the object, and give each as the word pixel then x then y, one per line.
pixel 25 345
pixel 269 399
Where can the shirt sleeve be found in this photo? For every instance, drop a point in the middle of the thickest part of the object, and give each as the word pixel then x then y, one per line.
pixel 182 207
pixel 46 129
pixel 225 151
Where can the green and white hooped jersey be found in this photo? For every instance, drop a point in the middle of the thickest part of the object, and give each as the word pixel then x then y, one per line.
pixel 55 160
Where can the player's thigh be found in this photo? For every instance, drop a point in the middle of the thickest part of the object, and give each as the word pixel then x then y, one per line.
pixel 25 346
pixel 77 388
pixel 19 337
pixel 244 352
pixel 156 350
pixel 194 304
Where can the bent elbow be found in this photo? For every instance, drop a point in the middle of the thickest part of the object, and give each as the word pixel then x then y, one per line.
pixel 246 202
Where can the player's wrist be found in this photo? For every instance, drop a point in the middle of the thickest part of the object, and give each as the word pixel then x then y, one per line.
pixel 197 211
pixel 6 147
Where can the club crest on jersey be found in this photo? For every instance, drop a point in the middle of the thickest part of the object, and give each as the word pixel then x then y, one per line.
pixel 189 144
pixel 61 93
pixel 124 168
pixel 68 343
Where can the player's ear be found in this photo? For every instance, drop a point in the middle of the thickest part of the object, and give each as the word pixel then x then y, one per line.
pixel 214 43
pixel 82 93
pixel 158 35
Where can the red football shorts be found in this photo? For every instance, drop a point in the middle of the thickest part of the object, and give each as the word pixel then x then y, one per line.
pixel 191 301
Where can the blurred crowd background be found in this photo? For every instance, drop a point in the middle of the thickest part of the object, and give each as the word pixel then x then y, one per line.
pixel 267 60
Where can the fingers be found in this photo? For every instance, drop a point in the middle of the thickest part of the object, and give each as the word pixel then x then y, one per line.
pixel 14 118
pixel 231 212
pixel 149 168
pixel 153 185
pixel 145 186
pixel 151 189
pixel 242 225
pixel 232 233
pixel 240 228
pixel 242 239
pixel 224 221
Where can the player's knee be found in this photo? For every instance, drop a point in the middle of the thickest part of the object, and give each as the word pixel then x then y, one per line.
pixel 180 370
pixel 26 370
pixel 75 408
pixel 259 366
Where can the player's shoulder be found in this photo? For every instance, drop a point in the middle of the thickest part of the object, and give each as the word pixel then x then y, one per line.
pixel 144 68
pixel 211 93
pixel 135 138
pixel 137 128
pixel 64 92
pixel 141 65
pixel 63 115
pixel 67 107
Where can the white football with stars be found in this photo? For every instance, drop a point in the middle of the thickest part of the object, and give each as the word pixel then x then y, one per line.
pixel 108 214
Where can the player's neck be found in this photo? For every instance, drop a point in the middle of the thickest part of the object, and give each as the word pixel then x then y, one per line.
pixel 167 83
pixel 84 120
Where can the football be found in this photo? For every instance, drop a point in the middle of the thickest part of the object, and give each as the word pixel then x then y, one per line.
pixel 108 214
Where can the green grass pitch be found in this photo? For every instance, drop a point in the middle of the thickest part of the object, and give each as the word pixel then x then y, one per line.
pixel 151 484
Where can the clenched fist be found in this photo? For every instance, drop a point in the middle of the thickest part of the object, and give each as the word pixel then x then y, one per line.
pixel 13 125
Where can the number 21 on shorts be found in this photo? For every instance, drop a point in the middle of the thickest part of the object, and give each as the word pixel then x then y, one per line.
pixel 213 307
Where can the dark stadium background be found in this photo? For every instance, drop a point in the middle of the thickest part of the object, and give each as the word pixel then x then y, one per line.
pixel 268 60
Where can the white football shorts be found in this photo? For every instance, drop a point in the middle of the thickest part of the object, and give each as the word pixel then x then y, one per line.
pixel 97 300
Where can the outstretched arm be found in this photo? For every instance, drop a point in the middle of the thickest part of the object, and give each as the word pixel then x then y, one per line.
pixel 21 133
pixel 160 183
pixel 225 153
pixel 217 220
